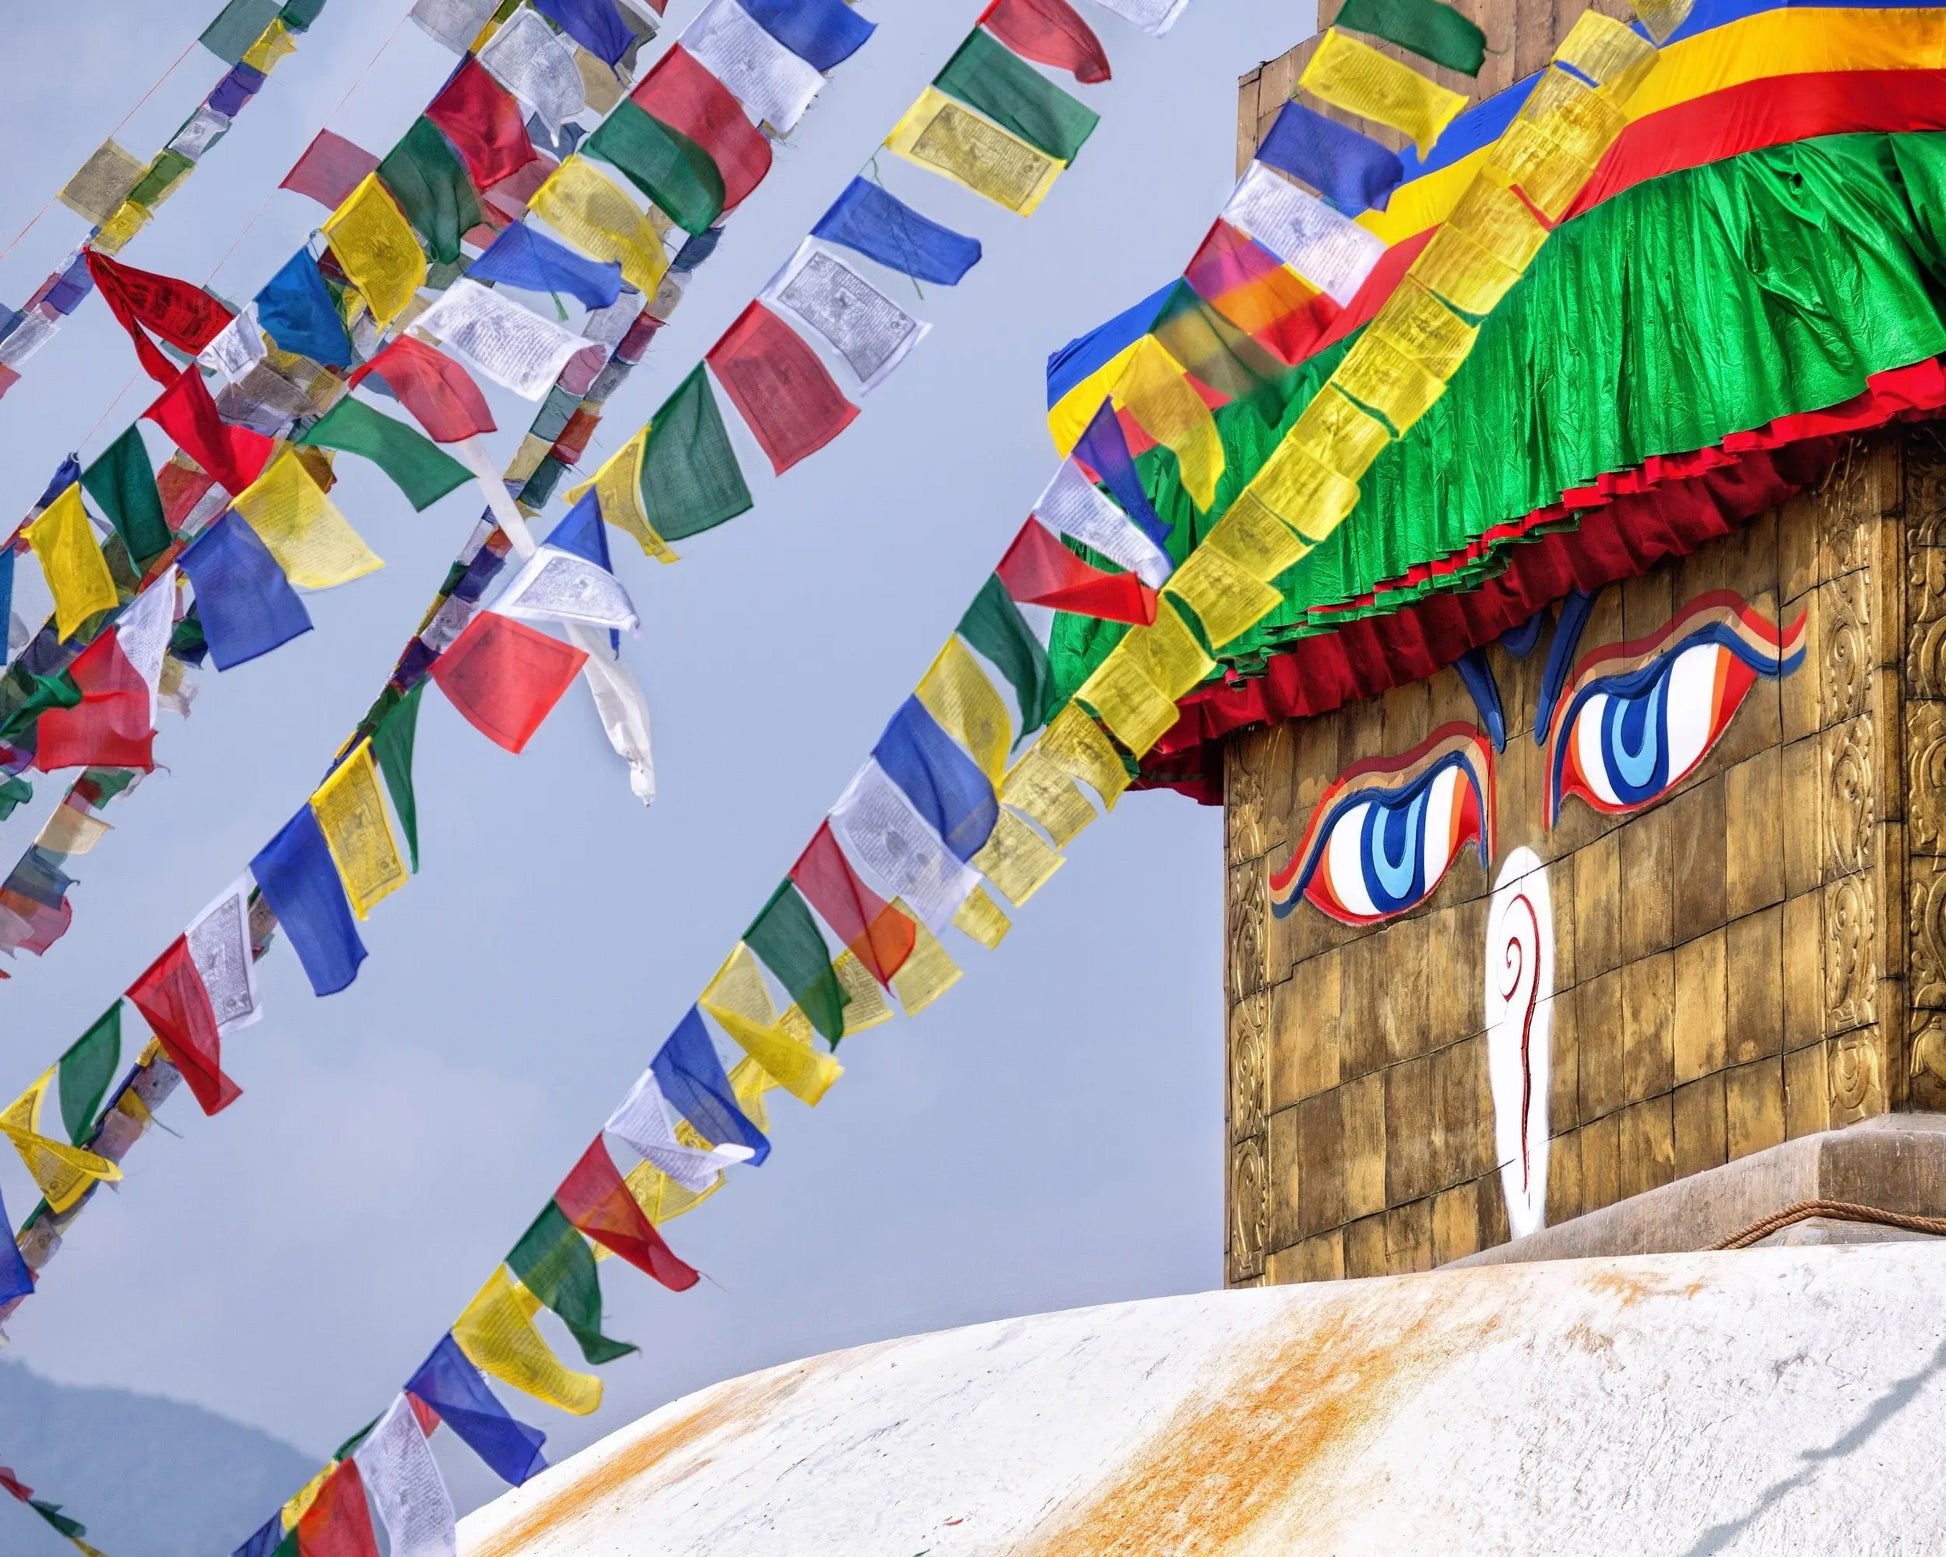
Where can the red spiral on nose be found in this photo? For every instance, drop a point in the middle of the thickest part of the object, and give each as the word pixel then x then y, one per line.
pixel 1514 960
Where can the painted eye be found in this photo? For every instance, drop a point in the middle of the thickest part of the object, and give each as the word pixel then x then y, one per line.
pixel 1382 837
pixel 1636 718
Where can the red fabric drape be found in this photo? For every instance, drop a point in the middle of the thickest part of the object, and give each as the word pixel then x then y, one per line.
pixel 233 455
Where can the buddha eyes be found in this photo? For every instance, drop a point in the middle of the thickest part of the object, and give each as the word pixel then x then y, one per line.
pixel 1382 837
pixel 1636 718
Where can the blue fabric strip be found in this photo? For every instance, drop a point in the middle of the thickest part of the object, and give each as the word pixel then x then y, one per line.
pixel 594 24
pixel 1092 352
pixel 453 1387
pixel 693 1080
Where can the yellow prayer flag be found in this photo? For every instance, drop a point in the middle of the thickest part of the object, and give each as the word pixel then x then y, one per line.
pixel 70 556
pixel 350 808
pixel 312 542
pixel 62 1172
pixel 1527 158
pixel 1302 492
pixel 1132 706
pixel 1226 600
pixel 618 486
pixel 1661 17
pixel 1257 541
pixel 498 1336
pixel 865 1004
pixel 129 218
pixel 951 139
pixel 1376 373
pixel 591 212
pixel 102 183
pixel 71 829
pixel 928 973
pixel 1356 77
pixel 982 920
pixel 1154 387
pixel 660 1196
pixel 376 249
pixel 1500 222
pixel 273 44
pixel 740 1001
pixel 956 692
pixel 1044 793
pixel 1074 743
pixel 1463 273
pixel 1168 650
pixel 1016 859
pixel 1609 53
pixel 527 456
pixel 750 1083
pixel 1339 435
pixel 1584 120
pixel 299 1503
pixel 1424 329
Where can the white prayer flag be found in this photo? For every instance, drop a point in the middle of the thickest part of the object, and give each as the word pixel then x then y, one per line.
pixel 513 347
pixel 643 1121
pixel 860 323
pixel 407 1492
pixel 1154 17
pixel 770 81
pixel 33 331
pixel 143 632
pixel 1326 248
pixel 526 58
pixel 557 586
pixel 884 836
pixel 1074 505
pixel 236 347
pixel 203 129
pixel 219 946
pixel 455 23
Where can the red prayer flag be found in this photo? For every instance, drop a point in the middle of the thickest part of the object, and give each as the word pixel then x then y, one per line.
pixel 878 934
pixel 1259 293
pixel 509 197
pixel 330 169
pixel 596 1199
pixel 185 316
pixel 1049 32
pixel 788 397
pixel 440 394
pixel 484 123
pixel 181 488
pixel 338 1524
pixel 428 1418
pixel 185 411
pixel 1039 570
pixel 41 926
pixel 505 678
pixel 171 998
pixel 12 1483
pixel 110 726
pixel 683 94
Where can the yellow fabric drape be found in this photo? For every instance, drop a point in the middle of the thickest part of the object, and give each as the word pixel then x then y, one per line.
pixel 618 487
pixel 1016 859
pixel 1171 412
pixel 70 557
pixel 956 692
pixel 928 973
pixel 1044 793
pixel 591 212
pixel 376 249
pixel 62 1172
pixel 350 808
pixel 981 919
pixel 1074 743
pixel 1356 77
pixel 740 1001
pixel 1134 708
pixel 1226 600
pixel 313 543
pixel 951 139
pixel 498 1336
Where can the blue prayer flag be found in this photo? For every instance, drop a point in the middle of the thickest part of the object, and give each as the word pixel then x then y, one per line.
pixel 38 877
pixel 246 605
pixel 234 90
pixel 453 1387
pixel 692 1079
pixel 1350 170
pixel 15 1279
pixel 296 311
pixel 65 477
pixel 594 24
pixel 582 533
pixel 1104 448
pixel 945 785
pixel 6 596
pixel 698 247
pixel 525 257
pixel 822 33
pixel 880 226
pixel 300 882
pixel 265 1539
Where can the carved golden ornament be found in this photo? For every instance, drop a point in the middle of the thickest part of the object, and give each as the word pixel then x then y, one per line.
pixel 1925 758
pixel 1249 1210
pixel 1846 655
pixel 1850 798
pixel 1925 658
pixel 1249 1064
pixel 1850 963
pixel 1247 912
pixel 1855 1090
pixel 1926 926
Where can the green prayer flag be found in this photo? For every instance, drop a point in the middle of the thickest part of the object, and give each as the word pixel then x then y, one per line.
pixel 666 165
pixel 163 175
pixel 14 791
pixel 1429 29
pixel 299 14
pixel 237 26
pixel 986 75
pixel 419 468
pixel 288 1546
pixel 56 691
pixel 73 1529
pixel 993 625
pixel 556 411
pixel 86 1071
pixel 350 1445
pixel 787 938
pixel 122 481
pixel 691 481
pixel 554 1262
pixel 392 742
pixel 426 177
pixel 108 782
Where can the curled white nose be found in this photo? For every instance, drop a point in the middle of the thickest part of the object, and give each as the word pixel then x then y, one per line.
pixel 1519 1010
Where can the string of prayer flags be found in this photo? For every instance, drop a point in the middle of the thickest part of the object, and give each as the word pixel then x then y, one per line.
pixel 505 678
pixel 102 183
pixel 407 1492
pixel 524 256
pixel 425 175
pixel 879 225
pixel 594 24
pixel 956 692
pixel 526 57
pixel 246 605
pixel 596 1199
pixel 944 784
pixel 877 934
pixel 295 309
pixel 299 880
pixel 71 1529
pixel 772 83
pixel 860 324
pixel 451 1385
pixel 513 346
pixel 642 1120
pixel 691 1076
pixel 375 247
pixel 940 134
pixel 63 539
pixel 497 1334
pixel 233 455
pixel 439 393
pixel 351 815
pixel 985 75
pixel 1356 77
pixel 143 302
pixel 666 165
pixel 785 395
pixel 171 997
pixel 1322 245
pixel 1428 28
pixel 683 97
pixel 1038 570
pixel 330 168
pixel 313 543
pixel 63 1173
pixel 1049 32
pixel 1352 171
pixel 585 207
pixel 787 938
pixel 553 1262
pixel 121 481
pixel 455 23
pixel 822 33
pixel 416 465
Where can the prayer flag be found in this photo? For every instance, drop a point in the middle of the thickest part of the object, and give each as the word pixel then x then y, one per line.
pixel 642 1119
pixel 497 1334
pixel 311 540
pixel 861 325
pixel 484 123
pixel 1073 505
pixel 1038 570
pixel 771 82
pixel 16 1281
pixel 64 1174
pixel 553 1261
pixel 1356 77
pixel 524 256
pixel 1049 32
pixel 376 249
pixel 301 884
pixel 505 678
pixel 439 393
pixel 786 937
pixel 554 585
pixel 584 207
pixel 1104 447
pixel 330 169
pixel 958 695
pixel 878 934
pixel 1354 172
pixel 1426 27
pixel 1016 859
pixel 171 998
pixel 511 345
pixel 451 1385
pixel 882 227
pixel 785 395
pixel 418 467
pixel 1154 17
pixel 784 1045
pixel 691 1077
pixel 1153 389
pixel 596 1199
pixel 937 133
pixel 942 782
pixel 883 832
pixel 102 183
pixel 594 24
pixel 220 946
pixel 526 57
pixel 392 743
pixel 237 26
pixel 185 411
pixel 822 33
pixel 425 175
pixel 185 316
pixel 122 482
pixel 296 311
pixel 682 95
pixel 86 1069
pixel 1219 355
pixel 993 625
pixel 984 75
pixel 246 605
pixel 351 815
pixel 402 1477
pixel 338 1523
pixel 582 534
pixel 1324 246
pixel 1259 293
pixel 113 726
pixel 455 23
pixel 77 574
pixel 662 162
pixel 688 479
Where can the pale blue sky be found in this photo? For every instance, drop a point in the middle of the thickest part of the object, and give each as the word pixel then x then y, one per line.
pixel 1047 1135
